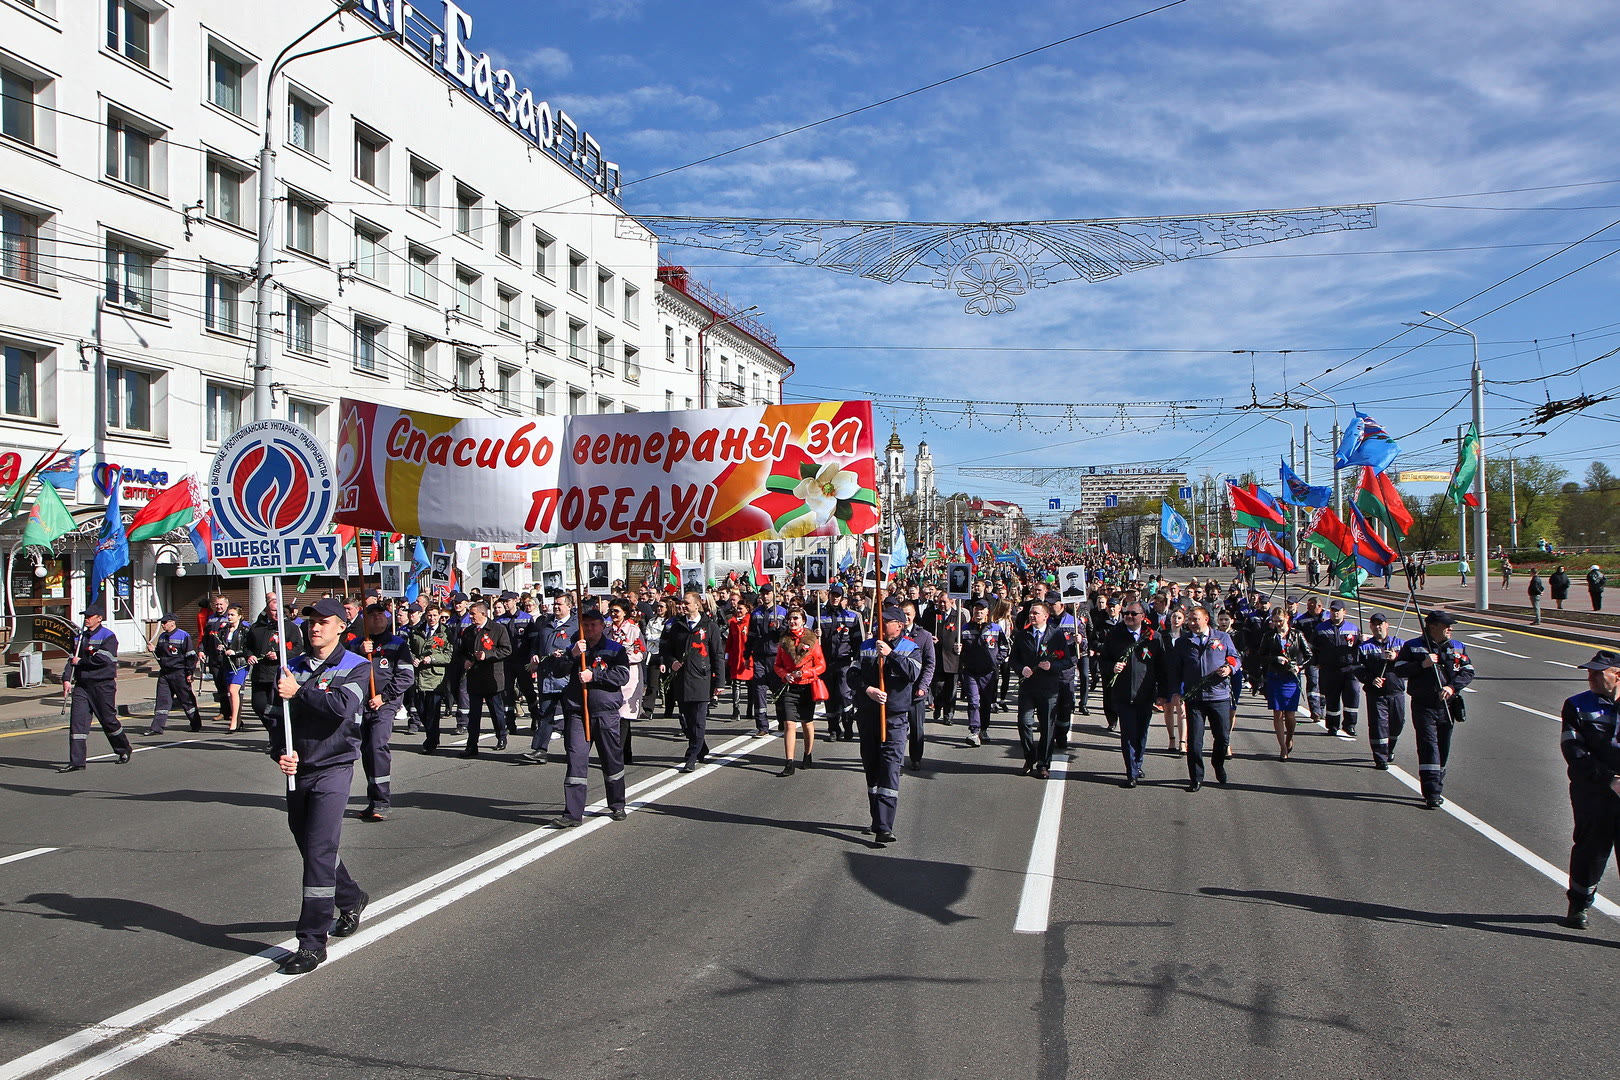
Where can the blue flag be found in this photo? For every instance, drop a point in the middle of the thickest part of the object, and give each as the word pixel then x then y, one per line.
pixel 899 555
pixel 112 545
pixel 847 561
pixel 1173 527
pixel 1297 492
pixel 1365 442
pixel 419 566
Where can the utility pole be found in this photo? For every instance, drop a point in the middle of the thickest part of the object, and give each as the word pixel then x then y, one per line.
pixel 1513 504
pixel 1338 502
pixel 1462 513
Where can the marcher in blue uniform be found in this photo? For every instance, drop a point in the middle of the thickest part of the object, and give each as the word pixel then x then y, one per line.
pixel 692 652
pixel 546 648
pixel 393 672
pixel 1591 746
pixel 176 657
pixel 600 679
pixel 1435 669
pixel 926 650
pixel 1335 649
pixel 91 676
pixel 1043 655
pixel 984 652
pixel 841 631
pixel 1386 691
pixel 1204 660
pixel 1131 670
pixel 900 663
pixel 324 692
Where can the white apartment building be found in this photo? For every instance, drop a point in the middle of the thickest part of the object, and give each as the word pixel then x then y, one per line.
pixel 443 240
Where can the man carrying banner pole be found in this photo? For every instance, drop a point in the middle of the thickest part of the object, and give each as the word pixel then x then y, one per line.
pixel 591 714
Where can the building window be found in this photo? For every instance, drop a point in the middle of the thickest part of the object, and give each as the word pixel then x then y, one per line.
pixel 19 106
pixel 669 344
pixel 545 326
pixel 544 253
pixel 132 276
pixel 368 344
pixel 135 152
pixel 467 211
pixel 468 288
pixel 224 413
pixel 632 364
pixel 129 397
pixel 604 405
pixel 604 351
pixel 506 309
pixel 576 340
pixel 305 321
pixel 511 396
pixel 19 245
pixel 424 187
pixel 542 395
pixel 304 224
pixel 632 304
pixel 669 401
pixel 227 81
pixel 370 157
pixel 418 360
pixel 509 241
pixel 469 371
pixel 576 273
pixel 306 414
pixel 371 251
pixel 306 124
pixel 576 402
pixel 22 382
pixel 225 199
pixel 689 354
pixel 423 273
pixel 130 31
pixel 222 307
pixel 604 289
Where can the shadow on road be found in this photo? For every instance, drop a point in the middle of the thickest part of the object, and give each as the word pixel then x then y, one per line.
pixel 121 913
pixel 1515 925
pixel 921 885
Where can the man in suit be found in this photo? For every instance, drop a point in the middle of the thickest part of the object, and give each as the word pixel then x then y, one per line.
pixel 693 648
pixel 1202 665
pixel 947 659
pixel 1043 655
pixel 919 694
pixel 482 650
pixel 1131 666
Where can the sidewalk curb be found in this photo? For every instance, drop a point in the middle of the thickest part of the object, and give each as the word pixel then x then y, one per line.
pixel 57 718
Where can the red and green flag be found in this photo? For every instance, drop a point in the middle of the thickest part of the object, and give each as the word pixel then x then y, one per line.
pixel 1378 500
pixel 1250 510
pixel 1329 535
pixel 172 509
pixel 1467 467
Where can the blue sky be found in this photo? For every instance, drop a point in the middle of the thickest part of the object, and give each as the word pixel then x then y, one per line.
pixel 1205 107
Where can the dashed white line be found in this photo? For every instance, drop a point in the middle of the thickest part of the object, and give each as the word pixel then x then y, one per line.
pixel 1560 663
pixel 29 854
pixel 1035 905
pixel 1504 652
pixel 1528 709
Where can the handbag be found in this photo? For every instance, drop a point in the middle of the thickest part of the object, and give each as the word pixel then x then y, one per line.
pixel 818 690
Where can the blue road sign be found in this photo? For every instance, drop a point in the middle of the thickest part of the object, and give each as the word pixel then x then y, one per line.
pixel 1054 504
pixel 1186 492
pixel 1110 500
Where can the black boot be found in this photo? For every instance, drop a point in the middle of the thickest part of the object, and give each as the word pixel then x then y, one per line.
pixel 1576 918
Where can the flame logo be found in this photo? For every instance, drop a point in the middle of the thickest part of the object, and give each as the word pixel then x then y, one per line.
pixel 270 488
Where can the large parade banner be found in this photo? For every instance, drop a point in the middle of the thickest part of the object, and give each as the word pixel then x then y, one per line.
pixel 763 472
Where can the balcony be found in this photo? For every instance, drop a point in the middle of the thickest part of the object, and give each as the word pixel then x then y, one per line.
pixel 732 394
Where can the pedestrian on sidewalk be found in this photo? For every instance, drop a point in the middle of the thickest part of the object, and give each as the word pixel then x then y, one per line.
pixel 1507 572
pixel 1594 586
pixel 1462 570
pixel 1535 589
pixel 1560 587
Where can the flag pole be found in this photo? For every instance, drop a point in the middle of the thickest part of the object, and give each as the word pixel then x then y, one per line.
pixel 281 655
pixel 877 607
pixel 584 688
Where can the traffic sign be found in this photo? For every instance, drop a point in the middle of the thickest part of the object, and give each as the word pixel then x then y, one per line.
pixel 1110 501
pixel 1054 504
pixel 270 489
pixel 1186 492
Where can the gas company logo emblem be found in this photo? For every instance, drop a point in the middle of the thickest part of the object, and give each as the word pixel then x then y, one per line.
pixel 271 479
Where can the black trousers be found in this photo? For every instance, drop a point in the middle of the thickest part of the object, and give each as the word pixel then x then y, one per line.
pixel 1216 715
pixel 475 718
pixel 695 726
pixel 267 704
pixel 1037 719
pixel 1597 834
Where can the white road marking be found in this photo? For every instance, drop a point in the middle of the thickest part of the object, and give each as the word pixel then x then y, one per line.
pixel 1469 690
pixel 1035 905
pixel 160 746
pixel 1535 712
pixel 1507 843
pixel 1504 652
pixel 541 840
pixel 1560 663
pixel 1489 635
pixel 21 855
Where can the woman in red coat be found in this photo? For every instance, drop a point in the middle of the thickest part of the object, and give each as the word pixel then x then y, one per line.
pixel 739 665
pixel 799 664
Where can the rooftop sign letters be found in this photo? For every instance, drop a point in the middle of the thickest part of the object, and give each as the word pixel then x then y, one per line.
pixel 444 48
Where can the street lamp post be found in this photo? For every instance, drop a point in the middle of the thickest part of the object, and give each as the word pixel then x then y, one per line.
pixel 1482 580
pixel 264 268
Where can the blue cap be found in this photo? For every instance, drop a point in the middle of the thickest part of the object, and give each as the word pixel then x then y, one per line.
pixel 327 608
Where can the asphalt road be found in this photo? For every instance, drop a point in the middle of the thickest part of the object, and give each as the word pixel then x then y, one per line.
pixel 1311 916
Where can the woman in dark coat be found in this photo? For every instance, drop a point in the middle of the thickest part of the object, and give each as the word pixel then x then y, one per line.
pixel 692 660
pixel 1560 587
